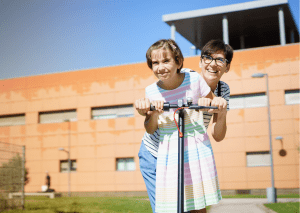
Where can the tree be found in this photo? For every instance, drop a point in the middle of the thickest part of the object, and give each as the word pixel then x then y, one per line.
pixel 11 175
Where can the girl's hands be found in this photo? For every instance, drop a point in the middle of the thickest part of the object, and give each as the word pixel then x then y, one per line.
pixel 159 105
pixel 143 106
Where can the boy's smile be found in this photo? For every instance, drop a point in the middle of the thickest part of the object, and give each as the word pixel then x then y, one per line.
pixel 212 72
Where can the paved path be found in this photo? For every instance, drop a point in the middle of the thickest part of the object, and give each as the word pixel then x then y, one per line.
pixel 246 205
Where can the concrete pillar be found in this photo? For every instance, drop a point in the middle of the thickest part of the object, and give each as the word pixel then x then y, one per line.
pixel 281 26
pixel 193 48
pixel 242 42
pixel 173 30
pixel 225 30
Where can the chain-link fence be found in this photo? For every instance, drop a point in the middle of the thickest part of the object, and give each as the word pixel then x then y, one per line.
pixel 12 176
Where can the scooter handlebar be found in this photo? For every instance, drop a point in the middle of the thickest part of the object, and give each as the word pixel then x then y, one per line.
pixel 167 106
pixel 202 107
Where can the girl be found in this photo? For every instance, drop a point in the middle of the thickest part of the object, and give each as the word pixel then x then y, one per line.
pixel 200 178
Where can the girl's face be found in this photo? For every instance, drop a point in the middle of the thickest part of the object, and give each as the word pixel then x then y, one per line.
pixel 163 65
pixel 213 72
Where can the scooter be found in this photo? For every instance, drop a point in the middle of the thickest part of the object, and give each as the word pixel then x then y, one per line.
pixel 180 106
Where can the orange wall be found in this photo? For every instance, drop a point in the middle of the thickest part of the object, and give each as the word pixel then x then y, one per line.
pixel 96 143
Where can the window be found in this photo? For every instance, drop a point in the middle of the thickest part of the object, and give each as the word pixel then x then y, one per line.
pixel 258 159
pixel 64 166
pixel 112 112
pixel 125 164
pixel 58 116
pixel 292 97
pixel 248 101
pixel 12 120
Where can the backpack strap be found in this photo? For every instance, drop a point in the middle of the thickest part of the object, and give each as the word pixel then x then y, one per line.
pixel 219 89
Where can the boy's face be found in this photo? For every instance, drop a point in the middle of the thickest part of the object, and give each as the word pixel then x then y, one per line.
pixel 163 65
pixel 212 72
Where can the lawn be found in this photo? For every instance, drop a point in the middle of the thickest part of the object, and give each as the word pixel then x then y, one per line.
pixel 85 204
pixel 284 207
pixel 121 204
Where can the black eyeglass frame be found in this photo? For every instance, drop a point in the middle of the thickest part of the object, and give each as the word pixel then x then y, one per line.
pixel 213 59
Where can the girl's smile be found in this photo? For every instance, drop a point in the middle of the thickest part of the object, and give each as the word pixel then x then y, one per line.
pixel 165 68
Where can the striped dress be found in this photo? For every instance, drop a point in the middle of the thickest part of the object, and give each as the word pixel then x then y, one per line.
pixel 151 141
pixel 201 186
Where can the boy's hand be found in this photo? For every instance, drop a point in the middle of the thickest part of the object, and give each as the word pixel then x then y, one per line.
pixel 221 103
pixel 204 102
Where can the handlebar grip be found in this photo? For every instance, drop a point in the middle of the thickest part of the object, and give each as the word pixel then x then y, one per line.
pixel 203 107
pixel 166 107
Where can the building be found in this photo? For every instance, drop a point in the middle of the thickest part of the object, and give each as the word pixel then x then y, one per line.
pixel 90 114
pixel 246 26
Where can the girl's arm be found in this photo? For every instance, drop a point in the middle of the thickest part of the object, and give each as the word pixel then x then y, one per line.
pixel 151 120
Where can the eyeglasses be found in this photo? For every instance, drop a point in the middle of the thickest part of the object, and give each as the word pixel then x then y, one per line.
pixel 219 61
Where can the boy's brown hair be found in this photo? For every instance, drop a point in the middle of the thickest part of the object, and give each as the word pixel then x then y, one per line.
pixel 217 45
pixel 166 44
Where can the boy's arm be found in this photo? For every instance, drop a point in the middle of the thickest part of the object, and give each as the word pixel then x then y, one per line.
pixel 219 126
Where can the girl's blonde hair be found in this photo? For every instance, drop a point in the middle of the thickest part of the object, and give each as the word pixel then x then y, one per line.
pixel 166 44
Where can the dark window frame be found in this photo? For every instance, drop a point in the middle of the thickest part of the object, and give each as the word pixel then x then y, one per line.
pixel 73 169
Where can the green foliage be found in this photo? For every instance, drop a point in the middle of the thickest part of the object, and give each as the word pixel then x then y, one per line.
pixel 3 203
pixel 11 175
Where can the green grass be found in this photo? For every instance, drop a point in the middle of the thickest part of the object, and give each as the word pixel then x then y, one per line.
pixel 85 204
pixel 284 207
pixel 120 204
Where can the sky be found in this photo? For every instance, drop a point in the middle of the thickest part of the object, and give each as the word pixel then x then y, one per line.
pixel 50 36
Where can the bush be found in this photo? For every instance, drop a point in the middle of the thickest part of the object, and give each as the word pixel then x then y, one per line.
pixel 11 175
pixel 11 181
pixel 3 203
